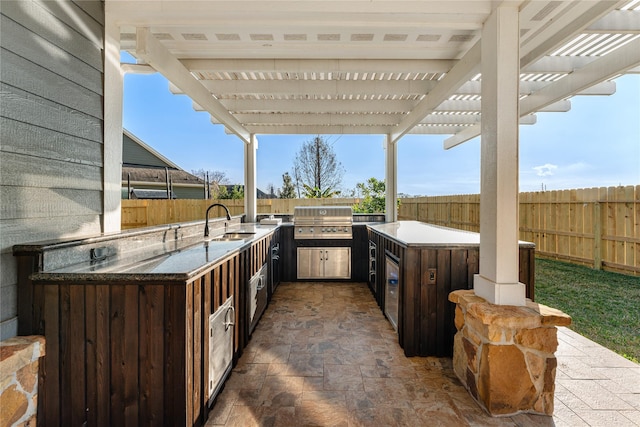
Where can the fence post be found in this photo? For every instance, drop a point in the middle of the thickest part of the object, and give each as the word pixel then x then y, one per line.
pixel 597 237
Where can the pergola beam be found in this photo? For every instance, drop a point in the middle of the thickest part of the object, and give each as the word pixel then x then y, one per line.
pixel 316 87
pixel 202 14
pixel 562 29
pixel 529 87
pixel 155 54
pixel 617 21
pixel 318 130
pixel 616 62
pixel 461 72
pixel 239 65
pixel 315 106
pixel 319 119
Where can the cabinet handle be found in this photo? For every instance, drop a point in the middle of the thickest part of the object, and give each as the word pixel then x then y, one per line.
pixel 327 254
pixel 227 322
pixel 260 284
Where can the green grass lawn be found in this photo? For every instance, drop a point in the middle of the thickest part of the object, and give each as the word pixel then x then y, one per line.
pixel 604 306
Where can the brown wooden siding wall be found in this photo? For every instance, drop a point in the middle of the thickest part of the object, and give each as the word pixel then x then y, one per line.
pixel 50 128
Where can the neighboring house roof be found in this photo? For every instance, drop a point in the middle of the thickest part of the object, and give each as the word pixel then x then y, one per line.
pixel 154 174
pixel 141 163
pixel 136 153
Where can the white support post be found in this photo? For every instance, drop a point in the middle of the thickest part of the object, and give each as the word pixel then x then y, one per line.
pixel 250 190
pixel 498 279
pixel 391 179
pixel 112 143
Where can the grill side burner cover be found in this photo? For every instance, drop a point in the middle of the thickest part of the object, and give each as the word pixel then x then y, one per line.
pixel 323 222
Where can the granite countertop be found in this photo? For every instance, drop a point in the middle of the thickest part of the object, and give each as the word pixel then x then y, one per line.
pixel 415 233
pixel 167 263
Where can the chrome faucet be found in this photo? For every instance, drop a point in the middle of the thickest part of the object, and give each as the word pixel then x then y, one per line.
pixel 206 222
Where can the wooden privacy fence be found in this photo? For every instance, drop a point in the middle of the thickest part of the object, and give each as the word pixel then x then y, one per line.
pixel 598 227
pixel 143 213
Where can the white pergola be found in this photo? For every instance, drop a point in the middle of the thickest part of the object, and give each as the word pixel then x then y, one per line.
pixel 388 67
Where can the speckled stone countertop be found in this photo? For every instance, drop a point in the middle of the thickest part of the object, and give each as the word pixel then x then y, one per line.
pixel 415 233
pixel 165 263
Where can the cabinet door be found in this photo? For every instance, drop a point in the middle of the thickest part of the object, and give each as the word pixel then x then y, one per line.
pixel 337 263
pixel 310 263
pixel 221 327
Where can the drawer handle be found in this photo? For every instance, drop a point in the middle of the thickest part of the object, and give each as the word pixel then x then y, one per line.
pixel 227 322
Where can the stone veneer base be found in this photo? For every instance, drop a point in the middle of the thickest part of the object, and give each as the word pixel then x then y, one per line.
pixel 19 358
pixel 504 355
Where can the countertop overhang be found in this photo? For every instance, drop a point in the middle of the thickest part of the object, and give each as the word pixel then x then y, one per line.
pixel 170 263
pixel 416 233
pixel 181 261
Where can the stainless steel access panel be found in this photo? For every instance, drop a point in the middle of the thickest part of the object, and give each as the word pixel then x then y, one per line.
pixel 221 328
pixel 324 263
pixel 391 289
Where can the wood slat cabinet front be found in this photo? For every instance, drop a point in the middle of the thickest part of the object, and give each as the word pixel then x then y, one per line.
pixel 130 354
pixel 426 277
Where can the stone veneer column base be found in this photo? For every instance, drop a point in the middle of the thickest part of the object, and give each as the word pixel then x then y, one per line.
pixel 504 355
pixel 19 358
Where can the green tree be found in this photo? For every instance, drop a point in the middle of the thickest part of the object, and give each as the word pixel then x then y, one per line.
pixel 222 193
pixel 237 192
pixel 316 193
pixel 288 190
pixel 316 166
pixel 374 197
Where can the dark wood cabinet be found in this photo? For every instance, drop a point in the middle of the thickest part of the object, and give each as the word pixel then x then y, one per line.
pixel 133 352
pixel 129 353
pixel 426 277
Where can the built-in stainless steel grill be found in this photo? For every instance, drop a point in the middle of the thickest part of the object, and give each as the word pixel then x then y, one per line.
pixel 323 222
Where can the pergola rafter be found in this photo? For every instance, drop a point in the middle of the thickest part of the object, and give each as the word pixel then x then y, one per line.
pixel 384 68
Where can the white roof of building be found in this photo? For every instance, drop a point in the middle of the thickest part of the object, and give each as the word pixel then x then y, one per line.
pixel 371 66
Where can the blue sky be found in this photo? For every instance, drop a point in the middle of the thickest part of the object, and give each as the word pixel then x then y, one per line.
pixel 596 143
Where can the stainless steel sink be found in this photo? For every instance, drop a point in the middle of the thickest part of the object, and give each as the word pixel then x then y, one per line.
pixel 225 238
pixel 238 235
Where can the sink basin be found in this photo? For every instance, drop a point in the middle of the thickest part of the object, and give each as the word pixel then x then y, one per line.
pixel 225 238
pixel 237 235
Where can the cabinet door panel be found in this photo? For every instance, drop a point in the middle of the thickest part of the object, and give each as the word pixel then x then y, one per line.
pixel 337 263
pixel 310 263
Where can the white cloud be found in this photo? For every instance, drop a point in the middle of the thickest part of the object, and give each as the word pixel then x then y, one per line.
pixel 545 170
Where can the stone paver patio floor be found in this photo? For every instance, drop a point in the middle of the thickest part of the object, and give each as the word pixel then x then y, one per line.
pixel 323 354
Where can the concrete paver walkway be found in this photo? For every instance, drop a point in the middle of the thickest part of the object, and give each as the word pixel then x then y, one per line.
pixel 323 354
pixel 594 385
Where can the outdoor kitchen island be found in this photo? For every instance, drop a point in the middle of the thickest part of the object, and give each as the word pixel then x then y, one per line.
pixel 143 326
pixel 414 266
pixel 129 318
